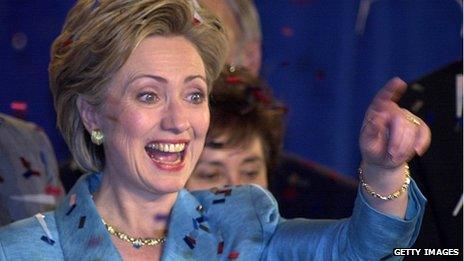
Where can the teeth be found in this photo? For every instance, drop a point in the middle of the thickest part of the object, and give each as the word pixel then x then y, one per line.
pixel 167 147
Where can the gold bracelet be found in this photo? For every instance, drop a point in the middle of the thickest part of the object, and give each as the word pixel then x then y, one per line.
pixel 391 196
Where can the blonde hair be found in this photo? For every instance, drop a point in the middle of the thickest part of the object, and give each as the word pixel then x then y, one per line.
pixel 248 19
pixel 97 39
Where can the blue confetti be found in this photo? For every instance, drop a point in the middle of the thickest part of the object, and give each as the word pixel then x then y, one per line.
pixel 217 201
pixel 70 210
pixel 81 222
pixel 48 240
pixel 205 228
pixel 190 242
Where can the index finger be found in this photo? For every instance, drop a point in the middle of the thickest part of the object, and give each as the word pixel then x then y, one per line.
pixel 392 91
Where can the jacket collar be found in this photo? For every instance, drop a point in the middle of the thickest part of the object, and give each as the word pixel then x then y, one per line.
pixel 81 231
pixel 83 234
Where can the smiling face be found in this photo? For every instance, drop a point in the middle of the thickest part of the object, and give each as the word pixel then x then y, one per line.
pixel 230 166
pixel 155 116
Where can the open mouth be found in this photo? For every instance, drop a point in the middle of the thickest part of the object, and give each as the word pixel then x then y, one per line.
pixel 166 154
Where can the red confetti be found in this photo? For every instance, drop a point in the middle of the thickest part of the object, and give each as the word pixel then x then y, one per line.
pixel 25 163
pixel 220 248
pixel 53 190
pixel 287 31
pixel 67 42
pixel 290 193
pixel 320 75
pixel 94 241
pixel 226 192
pixel 261 96
pixel 233 79
pixel 233 255
pixel 19 106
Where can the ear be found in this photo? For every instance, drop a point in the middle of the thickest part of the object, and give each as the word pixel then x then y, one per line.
pixel 252 59
pixel 89 114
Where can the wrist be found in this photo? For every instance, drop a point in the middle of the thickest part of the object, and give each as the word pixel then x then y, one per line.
pixel 382 183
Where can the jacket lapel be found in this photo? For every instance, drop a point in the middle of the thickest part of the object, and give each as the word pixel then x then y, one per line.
pixel 190 236
pixel 81 231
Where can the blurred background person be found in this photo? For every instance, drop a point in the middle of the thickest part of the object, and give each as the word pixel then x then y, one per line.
pixel 29 181
pixel 296 182
pixel 244 144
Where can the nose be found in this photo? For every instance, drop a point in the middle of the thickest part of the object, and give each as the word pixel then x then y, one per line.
pixel 175 118
pixel 234 180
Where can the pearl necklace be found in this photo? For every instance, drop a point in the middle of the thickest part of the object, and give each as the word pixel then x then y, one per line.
pixel 136 242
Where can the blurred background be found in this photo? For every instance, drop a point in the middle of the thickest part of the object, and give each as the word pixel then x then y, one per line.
pixel 324 58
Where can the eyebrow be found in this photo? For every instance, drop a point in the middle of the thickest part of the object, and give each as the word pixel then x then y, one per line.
pixel 215 163
pixel 189 78
pixel 252 159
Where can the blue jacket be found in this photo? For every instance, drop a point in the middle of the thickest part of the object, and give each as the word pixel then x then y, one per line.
pixel 239 223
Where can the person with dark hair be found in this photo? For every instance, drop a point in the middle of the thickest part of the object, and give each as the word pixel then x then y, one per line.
pixel 130 83
pixel 302 187
pixel 244 145
pixel 245 135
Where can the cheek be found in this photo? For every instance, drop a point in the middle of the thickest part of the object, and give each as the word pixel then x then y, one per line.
pixel 200 122
pixel 128 123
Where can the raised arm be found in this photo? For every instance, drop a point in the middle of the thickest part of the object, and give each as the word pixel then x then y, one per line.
pixel 389 138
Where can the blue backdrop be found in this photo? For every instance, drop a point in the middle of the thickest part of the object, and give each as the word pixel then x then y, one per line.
pixel 318 65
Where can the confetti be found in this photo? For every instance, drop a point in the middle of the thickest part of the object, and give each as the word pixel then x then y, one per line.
pixel 205 228
pixel 220 247
pixel 53 190
pixel 217 201
pixel 287 31
pixel 161 217
pixel 201 219
pixel 30 173
pixel 94 241
pixel 81 222
pixel 19 41
pixel 233 255
pixel 233 79
pixel 26 164
pixel 19 106
pixel 226 192
pixel 68 41
pixel 72 200
pixel 70 210
pixel 48 240
pixel 190 241
pixel 320 75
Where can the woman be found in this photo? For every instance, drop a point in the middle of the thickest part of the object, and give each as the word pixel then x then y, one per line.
pixel 243 146
pixel 245 135
pixel 130 82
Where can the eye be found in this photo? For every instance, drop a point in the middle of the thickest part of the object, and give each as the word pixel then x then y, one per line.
pixel 207 176
pixel 250 175
pixel 196 97
pixel 147 97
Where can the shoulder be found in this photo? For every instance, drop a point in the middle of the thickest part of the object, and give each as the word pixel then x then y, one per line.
pixel 248 206
pixel 247 197
pixel 26 239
